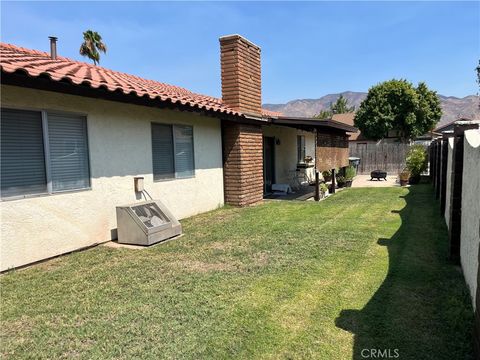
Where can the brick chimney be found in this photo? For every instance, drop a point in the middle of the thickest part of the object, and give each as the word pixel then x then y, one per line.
pixel 241 74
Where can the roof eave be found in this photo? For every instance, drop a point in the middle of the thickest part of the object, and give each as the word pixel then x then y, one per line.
pixel 22 79
pixel 326 123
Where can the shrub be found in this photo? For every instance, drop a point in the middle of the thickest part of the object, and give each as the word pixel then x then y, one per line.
pixel 340 181
pixel 323 188
pixel 327 175
pixel 416 160
pixel 350 173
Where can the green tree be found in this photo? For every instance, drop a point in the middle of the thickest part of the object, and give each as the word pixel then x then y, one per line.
pixel 478 73
pixel 478 78
pixel 398 105
pixel 92 46
pixel 339 107
pixel 323 114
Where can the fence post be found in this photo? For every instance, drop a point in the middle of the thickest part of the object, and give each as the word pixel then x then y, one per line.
pixel 444 162
pixel 432 162
pixel 436 164
pixel 317 186
pixel 333 181
pixel 438 168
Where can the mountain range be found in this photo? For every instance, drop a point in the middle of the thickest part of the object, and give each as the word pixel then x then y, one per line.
pixel 452 107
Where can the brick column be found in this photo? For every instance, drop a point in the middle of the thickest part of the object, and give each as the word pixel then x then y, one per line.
pixel 242 163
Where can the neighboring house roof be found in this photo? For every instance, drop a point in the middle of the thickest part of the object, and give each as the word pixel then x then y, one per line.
pixel 348 119
pixel 448 125
pixel 38 63
pixel 270 113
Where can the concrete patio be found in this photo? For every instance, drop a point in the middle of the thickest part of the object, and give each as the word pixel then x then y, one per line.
pixel 364 181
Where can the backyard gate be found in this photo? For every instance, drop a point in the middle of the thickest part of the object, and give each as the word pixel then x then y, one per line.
pixel 389 157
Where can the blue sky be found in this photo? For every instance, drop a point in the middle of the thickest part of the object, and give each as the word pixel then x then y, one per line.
pixel 309 49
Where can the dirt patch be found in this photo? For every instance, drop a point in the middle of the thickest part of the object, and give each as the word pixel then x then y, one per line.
pixel 203 267
pixel 21 326
pixel 261 258
pixel 219 245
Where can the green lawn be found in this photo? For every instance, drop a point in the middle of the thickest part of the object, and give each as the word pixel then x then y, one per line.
pixel 367 268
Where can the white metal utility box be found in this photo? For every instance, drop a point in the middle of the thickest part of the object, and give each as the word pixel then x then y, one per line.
pixel 146 223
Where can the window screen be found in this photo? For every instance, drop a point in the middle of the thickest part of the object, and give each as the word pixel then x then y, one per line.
pixel 162 152
pixel 300 148
pixel 22 153
pixel 67 136
pixel 184 166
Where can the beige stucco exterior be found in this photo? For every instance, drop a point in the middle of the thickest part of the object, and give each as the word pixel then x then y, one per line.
pixel 286 151
pixel 119 137
pixel 470 233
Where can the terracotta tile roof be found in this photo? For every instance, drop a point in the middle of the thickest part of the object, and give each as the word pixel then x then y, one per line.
pixel 36 63
pixel 270 113
pixel 346 118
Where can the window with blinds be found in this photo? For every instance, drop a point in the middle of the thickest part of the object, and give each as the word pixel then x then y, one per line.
pixel 22 153
pixel 172 151
pixel 183 136
pixel 162 152
pixel 67 140
pixel 42 153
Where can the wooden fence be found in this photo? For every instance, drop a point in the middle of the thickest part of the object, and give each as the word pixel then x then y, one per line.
pixel 389 157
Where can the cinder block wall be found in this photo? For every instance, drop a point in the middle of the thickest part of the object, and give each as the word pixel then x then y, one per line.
pixel 470 220
pixel 331 151
pixel 242 163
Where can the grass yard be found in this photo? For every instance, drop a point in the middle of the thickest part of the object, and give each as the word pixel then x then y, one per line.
pixel 365 269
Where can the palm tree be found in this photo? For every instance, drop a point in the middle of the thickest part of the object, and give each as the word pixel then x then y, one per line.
pixel 92 45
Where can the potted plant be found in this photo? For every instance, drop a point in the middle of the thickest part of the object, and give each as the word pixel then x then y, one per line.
pixel 323 190
pixel 327 175
pixel 349 175
pixel 416 162
pixel 341 181
pixel 404 177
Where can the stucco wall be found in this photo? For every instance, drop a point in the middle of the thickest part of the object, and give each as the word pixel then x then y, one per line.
pixel 286 151
pixel 119 137
pixel 449 182
pixel 470 233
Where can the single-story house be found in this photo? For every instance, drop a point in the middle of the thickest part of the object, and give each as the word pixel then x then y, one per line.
pixel 74 136
pixel 448 126
pixel 358 138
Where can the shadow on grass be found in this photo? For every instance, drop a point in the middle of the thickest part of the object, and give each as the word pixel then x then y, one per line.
pixel 422 309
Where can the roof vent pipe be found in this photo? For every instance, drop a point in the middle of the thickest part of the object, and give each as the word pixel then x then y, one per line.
pixel 53 47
